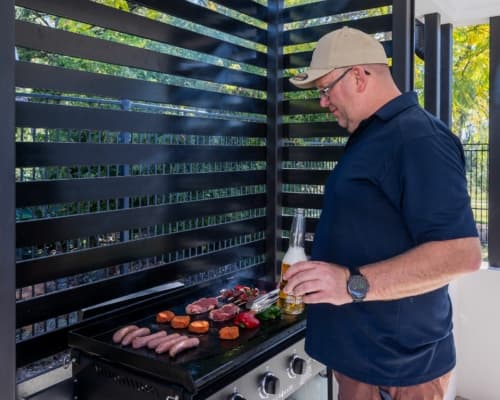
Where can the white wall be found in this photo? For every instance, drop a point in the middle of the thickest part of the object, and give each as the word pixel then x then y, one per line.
pixel 476 301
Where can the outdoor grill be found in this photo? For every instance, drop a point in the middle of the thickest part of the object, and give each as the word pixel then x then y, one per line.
pixel 267 362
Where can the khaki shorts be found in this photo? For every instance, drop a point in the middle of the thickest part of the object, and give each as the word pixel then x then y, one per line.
pixel 350 389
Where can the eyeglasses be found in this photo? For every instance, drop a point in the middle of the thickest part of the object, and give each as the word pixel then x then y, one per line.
pixel 323 92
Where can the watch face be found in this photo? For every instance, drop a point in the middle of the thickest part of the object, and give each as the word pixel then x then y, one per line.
pixel 357 286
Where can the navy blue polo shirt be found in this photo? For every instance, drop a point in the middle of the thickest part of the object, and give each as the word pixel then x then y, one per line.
pixel 400 183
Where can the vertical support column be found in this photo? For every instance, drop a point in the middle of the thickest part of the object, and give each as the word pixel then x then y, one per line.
pixel 124 170
pixel 446 73
pixel 274 137
pixel 7 204
pixel 403 44
pixel 432 52
pixel 494 146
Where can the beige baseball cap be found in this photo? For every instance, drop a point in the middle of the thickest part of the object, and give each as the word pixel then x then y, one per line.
pixel 343 47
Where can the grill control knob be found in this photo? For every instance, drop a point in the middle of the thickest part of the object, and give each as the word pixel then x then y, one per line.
pixel 297 365
pixel 236 396
pixel 270 384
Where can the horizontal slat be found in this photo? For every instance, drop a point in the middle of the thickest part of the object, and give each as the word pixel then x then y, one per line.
pixel 45 77
pixel 74 299
pixel 35 115
pixel 42 346
pixel 309 106
pixel 57 266
pixel 302 200
pixel 57 154
pixel 207 17
pixel 136 25
pixel 314 129
pixel 49 230
pixel 37 37
pixel 313 153
pixel 39 347
pixel 305 176
pixel 377 24
pixel 322 9
pixel 68 190
pixel 247 7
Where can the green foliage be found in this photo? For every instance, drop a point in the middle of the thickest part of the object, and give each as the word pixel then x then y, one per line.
pixel 470 72
pixel 471 83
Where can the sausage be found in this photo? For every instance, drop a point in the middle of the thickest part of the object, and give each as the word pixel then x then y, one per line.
pixel 153 344
pixel 183 345
pixel 142 341
pixel 134 334
pixel 122 332
pixel 165 346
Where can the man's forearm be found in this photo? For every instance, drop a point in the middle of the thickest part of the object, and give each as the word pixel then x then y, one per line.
pixel 422 269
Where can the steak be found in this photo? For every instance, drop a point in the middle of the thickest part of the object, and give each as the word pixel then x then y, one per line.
pixel 202 305
pixel 225 313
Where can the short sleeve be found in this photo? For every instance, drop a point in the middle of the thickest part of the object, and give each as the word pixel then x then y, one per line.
pixel 434 200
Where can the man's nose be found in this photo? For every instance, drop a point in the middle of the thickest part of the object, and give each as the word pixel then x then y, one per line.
pixel 324 101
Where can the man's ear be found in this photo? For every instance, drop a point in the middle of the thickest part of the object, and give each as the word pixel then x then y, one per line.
pixel 361 78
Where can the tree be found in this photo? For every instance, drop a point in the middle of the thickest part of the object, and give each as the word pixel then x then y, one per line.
pixel 470 83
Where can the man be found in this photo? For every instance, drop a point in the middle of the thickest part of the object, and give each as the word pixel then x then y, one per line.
pixel 395 229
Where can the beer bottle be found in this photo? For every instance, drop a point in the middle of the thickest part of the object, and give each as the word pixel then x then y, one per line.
pixel 295 253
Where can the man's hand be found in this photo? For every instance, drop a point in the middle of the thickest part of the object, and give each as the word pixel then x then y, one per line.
pixel 318 282
pixel 422 269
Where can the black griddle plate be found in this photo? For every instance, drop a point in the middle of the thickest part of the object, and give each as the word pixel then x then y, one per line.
pixel 193 368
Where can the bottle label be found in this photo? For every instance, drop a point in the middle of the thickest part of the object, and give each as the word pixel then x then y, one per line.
pixel 289 304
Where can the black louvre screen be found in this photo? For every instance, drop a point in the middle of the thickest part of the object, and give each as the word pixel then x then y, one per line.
pixel 160 141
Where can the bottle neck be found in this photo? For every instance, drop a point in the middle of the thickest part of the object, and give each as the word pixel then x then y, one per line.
pixel 297 230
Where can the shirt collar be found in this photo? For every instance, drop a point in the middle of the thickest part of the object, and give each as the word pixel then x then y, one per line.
pixel 397 105
pixel 386 112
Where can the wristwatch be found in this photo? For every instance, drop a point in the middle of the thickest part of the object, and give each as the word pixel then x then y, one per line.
pixel 357 285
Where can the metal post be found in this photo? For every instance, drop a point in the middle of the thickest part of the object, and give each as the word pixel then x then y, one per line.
pixel 432 52
pixel 274 134
pixel 494 146
pixel 446 73
pixel 124 170
pixel 403 45
pixel 7 203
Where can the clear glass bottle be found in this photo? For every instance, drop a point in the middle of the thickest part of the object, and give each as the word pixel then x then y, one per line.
pixel 295 253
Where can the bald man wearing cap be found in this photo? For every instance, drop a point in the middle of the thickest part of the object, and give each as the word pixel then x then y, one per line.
pixel 396 227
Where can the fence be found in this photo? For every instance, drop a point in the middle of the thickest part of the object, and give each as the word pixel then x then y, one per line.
pixel 476 156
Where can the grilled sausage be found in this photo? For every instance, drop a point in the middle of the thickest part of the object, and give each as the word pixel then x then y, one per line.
pixel 134 334
pixel 153 344
pixel 183 345
pixel 165 346
pixel 122 332
pixel 142 341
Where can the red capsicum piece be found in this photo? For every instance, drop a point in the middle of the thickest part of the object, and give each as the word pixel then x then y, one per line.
pixel 247 320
